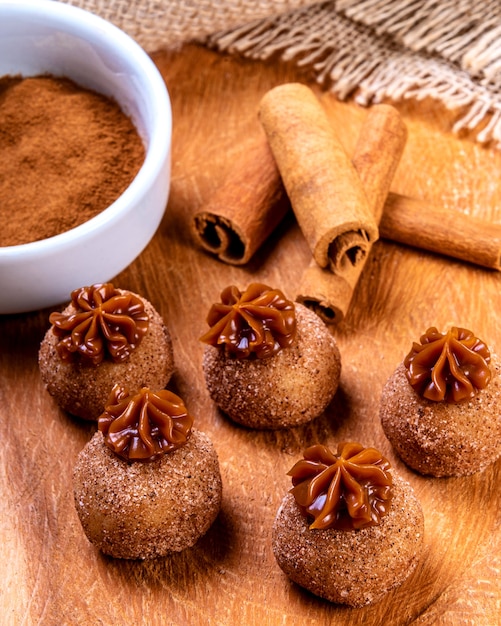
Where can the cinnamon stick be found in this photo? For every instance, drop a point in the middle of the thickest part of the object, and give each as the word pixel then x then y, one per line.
pixel 246 208
pixel 235 224
pixel 434 228
pixel 323 186
pixel 377 153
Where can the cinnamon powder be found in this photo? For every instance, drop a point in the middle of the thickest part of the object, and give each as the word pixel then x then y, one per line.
pixel 66 154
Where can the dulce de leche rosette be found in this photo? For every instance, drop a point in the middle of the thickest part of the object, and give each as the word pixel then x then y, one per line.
pixel 324 189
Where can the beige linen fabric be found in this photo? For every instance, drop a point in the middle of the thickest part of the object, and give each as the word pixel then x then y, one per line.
pixel 157 24
pixel 371 50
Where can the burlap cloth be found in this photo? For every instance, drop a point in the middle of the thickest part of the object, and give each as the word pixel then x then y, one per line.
pixel 369 50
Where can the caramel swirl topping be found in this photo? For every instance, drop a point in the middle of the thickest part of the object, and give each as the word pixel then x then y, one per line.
pixel 107 323
pixel 145 425
pixel 452 366
pixel 261 321
pixel 348 490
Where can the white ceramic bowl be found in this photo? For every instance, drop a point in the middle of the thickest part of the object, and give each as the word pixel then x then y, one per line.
pixel 45 36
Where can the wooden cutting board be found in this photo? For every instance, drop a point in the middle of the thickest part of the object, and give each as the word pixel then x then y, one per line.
pixel 50 572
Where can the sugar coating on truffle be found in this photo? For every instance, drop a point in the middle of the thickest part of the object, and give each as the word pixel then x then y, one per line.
pixel 146 510
pixel 440 438
pixel 353 567
pixel 290 388
pixel 83 390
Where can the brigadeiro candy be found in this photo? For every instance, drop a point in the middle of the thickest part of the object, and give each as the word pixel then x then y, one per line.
pixel 441 408
pixel 350 529
pixel 105 335
pixel 147 484
pixel 269 363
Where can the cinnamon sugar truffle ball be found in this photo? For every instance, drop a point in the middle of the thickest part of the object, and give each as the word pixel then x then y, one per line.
pixel 269 363
pixel 441 408
pixel 147 484
pixel 351 529
pixel 104 336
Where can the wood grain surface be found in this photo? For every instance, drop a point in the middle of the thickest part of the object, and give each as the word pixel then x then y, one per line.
pixel 52 575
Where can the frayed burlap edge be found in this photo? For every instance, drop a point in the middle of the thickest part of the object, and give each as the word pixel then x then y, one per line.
pixel 465 32
pixel 352 59
pixel 371 50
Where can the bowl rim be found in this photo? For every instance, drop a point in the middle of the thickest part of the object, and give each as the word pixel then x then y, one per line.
pixel 159 143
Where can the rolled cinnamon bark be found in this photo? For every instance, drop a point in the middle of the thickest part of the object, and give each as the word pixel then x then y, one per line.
pixel 377 153
pixel 434 228
pixel 323 186
pixel 253 201
pixel 413 223
pixel 246 208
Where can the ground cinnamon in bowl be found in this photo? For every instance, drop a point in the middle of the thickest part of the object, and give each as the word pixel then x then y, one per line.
pixel 67 154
